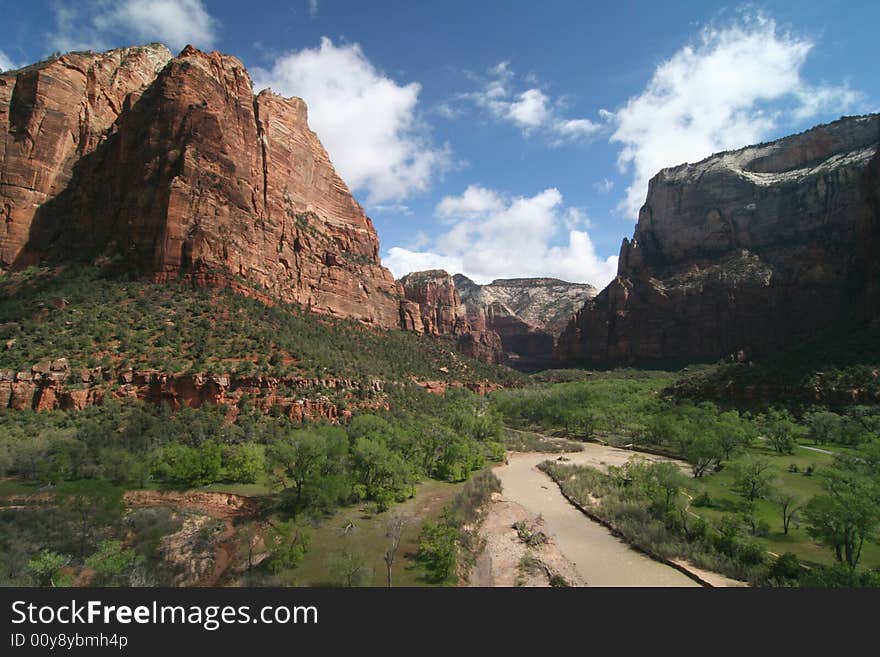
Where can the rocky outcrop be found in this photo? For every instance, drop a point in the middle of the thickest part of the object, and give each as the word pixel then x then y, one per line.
pixel 434 307
pixel 171 167
pixel 54 386
pixel 526 313
pixel 748 250
pixel 440 309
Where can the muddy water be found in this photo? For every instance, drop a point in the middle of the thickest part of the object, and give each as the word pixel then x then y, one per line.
pixel 601 558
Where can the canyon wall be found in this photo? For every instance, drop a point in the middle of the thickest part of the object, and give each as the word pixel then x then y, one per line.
pixel 171 167
pixel 527 313
pixel 748 250
pixel 435 308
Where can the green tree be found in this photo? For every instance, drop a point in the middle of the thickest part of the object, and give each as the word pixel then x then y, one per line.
pixel 243 463
pixel 752 479
pixel 703 452
pixel 845 516
pixel 45 569
pixel 734 434
pixel 789 504
pixel 309 466
pixel 437 550
pixel 287 543
pixel 113 563
pixel 380 474
pixel 823 427
pixel 90 504
pixel 781 431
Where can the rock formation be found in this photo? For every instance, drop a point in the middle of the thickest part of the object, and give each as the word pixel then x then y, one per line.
pixel 52 385
pixel 53 114
pixel 172 167
pixel 435 308
pixel 747 250
pixel 527 313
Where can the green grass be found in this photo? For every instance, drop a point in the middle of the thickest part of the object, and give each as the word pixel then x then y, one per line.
pixel 368 539
pixel 726 501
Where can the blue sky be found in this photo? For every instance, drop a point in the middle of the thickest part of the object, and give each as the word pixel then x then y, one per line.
pixel 508 138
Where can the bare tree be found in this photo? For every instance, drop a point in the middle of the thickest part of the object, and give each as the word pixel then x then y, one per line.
pixel 394 534
pixel 789 504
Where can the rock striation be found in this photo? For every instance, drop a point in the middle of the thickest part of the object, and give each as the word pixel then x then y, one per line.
pixel 748 250
pixel 172 167
pixel 527 313
pixel 433 307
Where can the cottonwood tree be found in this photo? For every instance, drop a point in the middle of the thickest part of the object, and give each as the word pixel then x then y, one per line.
pixel 789 503
pixel 394 534
pixel 846 516
pixel 91 503
pixel 781 430
pixel 703 452
pixel 752 480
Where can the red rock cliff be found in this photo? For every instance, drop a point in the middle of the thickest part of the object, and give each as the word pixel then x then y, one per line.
pixel 749 249
pixel 172 167
pixel 435 308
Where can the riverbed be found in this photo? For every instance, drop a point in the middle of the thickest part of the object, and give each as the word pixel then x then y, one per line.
pixel 599 557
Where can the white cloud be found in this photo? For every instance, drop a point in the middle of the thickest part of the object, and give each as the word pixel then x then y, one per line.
pixel 531 110
pixel 730 89
pixel 99 25
pixel 6 64
pixel 367 121
pixel 576 127
pixel 313 8
pixel 474 202
pixel 174 22
pixel 499 237
pixel 603 186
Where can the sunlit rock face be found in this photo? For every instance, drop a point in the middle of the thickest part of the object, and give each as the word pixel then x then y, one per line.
pixel 171 167
pixel 527 313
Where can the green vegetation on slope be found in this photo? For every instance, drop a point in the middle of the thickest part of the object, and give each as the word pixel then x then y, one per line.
pixel 299 472
pixel 95 320
pixel 825 370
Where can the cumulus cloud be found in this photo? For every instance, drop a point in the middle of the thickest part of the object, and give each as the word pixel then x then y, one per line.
pixel 99 25
pixel 6 63
pixel 174 22
pixel 368 122
pixel 494 236
pixel 474 202
pixel 531 110
pixel 731 88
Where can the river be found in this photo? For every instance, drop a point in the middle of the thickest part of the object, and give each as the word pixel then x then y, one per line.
pixel 601 558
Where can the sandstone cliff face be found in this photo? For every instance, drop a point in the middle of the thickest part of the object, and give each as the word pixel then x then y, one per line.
pixel 172 167
pixel 750 249
pixel 527 313
pixel 435 308
pixel 52 115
